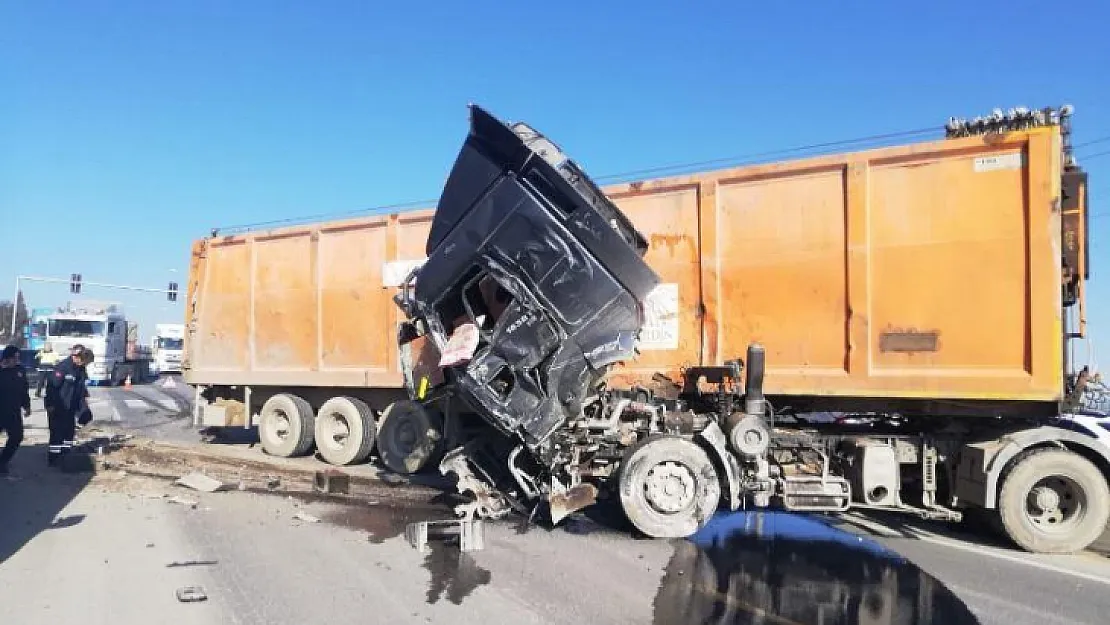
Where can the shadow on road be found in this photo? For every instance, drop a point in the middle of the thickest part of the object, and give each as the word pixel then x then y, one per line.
pixel 773 567
pixel 35 498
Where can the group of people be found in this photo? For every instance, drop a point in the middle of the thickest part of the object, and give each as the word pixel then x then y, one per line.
pixel 66 401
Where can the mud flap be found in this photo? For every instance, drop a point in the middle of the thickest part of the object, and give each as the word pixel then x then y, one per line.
pixel 714 442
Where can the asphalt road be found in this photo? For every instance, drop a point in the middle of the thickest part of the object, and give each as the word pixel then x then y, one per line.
pixel 114 550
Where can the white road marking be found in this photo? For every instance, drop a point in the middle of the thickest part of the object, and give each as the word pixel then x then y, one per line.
pixel 135 403
pixel 1028 560
pixel 999 602
pixel 856 519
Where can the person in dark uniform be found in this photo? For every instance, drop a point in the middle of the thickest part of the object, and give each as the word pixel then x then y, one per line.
pixel 14 395
pixel 66 395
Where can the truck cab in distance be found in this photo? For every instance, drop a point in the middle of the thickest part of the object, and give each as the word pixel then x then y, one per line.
pixel 167 348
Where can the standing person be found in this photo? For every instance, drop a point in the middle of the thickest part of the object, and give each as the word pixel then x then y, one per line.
pixel 47 359
pixel 14 395
pixel 66 395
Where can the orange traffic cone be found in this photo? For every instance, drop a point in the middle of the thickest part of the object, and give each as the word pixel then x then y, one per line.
pixel 127 382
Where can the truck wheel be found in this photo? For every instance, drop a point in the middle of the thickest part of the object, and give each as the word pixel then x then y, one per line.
pixel 668 487
pixel 285 426
pixel 1054 501
pixel 345 430
pixel 408 436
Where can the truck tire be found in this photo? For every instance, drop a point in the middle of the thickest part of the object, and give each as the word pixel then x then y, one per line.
pixel 345 430
pixel 285 426
pixel 668 487
pixel 409 436
pixel 1054 501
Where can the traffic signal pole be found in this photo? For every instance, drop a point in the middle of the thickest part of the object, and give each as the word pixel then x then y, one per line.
pixel 75 283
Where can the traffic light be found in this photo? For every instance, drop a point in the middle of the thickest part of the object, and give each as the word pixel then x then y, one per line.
pixel 171 293
pixel 75 283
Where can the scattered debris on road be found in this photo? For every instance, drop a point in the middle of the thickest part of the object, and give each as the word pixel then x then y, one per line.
pixel 191 594
pixel 307 518
pixel 469 534
pixel 331 482
pixel 180 564
pixel 191 503
pixel 199 481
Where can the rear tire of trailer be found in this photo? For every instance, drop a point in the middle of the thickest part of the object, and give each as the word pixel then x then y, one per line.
pixel 286 426
pixel 345 431
pixel 1054 501
pixel 409 436
pixel 668 487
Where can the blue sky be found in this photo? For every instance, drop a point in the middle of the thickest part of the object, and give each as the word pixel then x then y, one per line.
pixel 136 126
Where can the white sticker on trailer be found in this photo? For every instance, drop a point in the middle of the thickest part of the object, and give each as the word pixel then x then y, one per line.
pixel 660 330
pixel 1000 162
pixel 395 272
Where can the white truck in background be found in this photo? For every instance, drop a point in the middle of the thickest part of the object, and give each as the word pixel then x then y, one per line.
pixel 167 348
pixel 101 327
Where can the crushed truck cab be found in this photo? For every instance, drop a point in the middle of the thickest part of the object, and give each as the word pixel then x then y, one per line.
pixel 533 289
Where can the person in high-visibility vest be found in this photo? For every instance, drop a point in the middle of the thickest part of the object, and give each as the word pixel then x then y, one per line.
pixel 46 358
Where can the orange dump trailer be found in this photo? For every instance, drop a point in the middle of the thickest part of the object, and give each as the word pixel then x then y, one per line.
pixel 931 271
pixel 942 278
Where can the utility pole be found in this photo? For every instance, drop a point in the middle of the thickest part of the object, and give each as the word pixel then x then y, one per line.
pixel 75 283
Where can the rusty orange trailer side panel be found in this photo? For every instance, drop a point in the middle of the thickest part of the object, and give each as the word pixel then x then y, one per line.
pixel 300 306
pixel 923 271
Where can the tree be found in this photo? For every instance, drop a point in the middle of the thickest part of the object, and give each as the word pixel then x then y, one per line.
pixel 21 317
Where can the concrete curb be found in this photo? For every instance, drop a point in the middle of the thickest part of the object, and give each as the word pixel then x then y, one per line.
pixel 170 461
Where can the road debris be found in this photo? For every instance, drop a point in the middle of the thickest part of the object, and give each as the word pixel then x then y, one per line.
pixel 307 518
pixel 179 564
pixel 191 594
pixel 469 534
pixel 199 481
pixel 192 503
pixel 331 482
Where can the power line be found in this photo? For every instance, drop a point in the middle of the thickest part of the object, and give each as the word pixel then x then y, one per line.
pixel 334 215
pixel 1091 142
pixel 673 169
pixel 742 159
pixel 1087 157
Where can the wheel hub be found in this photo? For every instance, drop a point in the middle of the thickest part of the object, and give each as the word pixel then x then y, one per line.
pixel 281 426
pixel 1045 498
pixel 1055 504
pixel 670 487
pixel 338 430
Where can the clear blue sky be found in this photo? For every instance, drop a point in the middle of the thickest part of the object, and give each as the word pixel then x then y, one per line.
pixel 137 126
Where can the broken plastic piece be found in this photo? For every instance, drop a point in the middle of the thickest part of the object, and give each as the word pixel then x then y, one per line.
pixel 201 482
pixel 190 594
pixel 469 533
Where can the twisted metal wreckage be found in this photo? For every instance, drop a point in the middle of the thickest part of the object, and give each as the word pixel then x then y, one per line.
pixel 533 291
